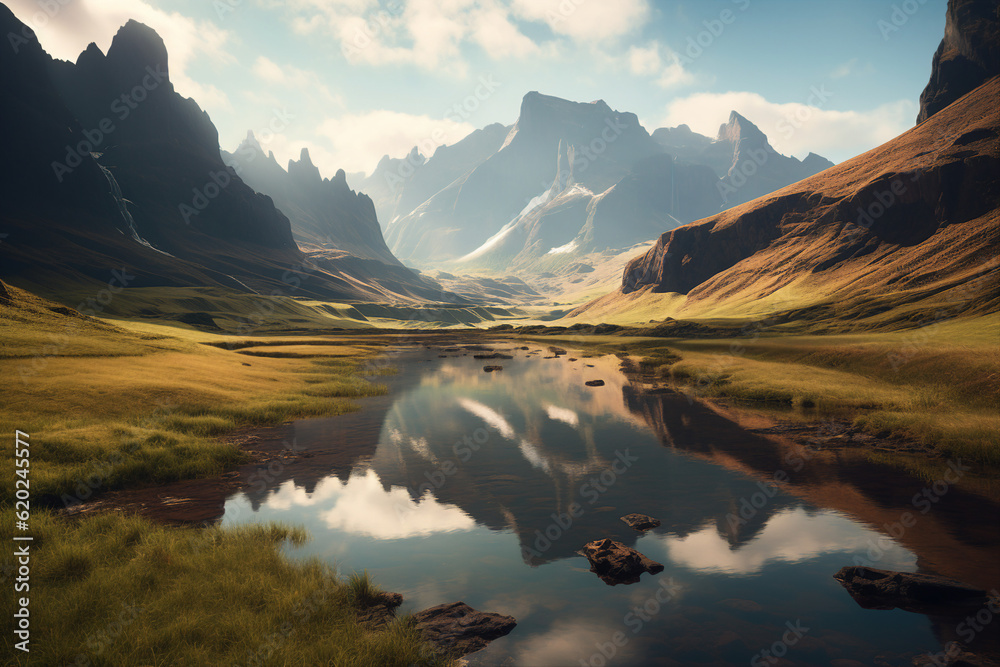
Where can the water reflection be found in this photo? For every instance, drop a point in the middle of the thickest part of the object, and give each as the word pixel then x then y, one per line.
pixel 791 536
pixel 456 483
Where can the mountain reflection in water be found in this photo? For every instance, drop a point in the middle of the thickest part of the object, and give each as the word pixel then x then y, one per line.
pixel 465 485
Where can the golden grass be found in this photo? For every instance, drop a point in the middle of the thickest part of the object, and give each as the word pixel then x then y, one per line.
pixel 118 590
pixel 149 409
pixel 940 386
pixel 121 406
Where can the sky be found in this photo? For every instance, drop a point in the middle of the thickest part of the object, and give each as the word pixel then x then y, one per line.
pixel 353 80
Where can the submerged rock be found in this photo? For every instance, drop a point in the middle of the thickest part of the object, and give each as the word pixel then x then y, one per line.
pixel 594 383
pixel 457 629
pixel 640 521
pixel 884 589
pixel 490 369
pixel 616 563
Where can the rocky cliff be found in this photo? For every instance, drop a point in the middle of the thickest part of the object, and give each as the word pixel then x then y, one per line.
pixel 968 56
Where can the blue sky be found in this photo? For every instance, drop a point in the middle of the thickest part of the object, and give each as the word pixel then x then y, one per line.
pixel 355 79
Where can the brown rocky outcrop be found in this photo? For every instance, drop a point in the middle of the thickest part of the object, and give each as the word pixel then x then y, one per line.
pixel 616 563
pixel 457 629
pixel 913 217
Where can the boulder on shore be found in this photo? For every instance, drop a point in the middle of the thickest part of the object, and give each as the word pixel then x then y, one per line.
pixel 457 629
pixel 616 563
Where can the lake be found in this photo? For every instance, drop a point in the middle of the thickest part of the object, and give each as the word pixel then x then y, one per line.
pixel 481 487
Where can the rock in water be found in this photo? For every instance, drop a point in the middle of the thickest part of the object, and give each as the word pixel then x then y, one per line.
pixel 457 629
pixel 884 589
pixel 640 521
pixel 594 383
pixel 490 369
pixel 616 563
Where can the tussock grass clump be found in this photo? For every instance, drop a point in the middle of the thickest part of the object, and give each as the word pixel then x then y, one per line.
pixel 119 590
pixel 362 590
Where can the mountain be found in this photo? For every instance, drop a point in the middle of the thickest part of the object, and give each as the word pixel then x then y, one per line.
pixel 741 157
pixel 903 234
pixel 573 184
pixel 118 172
pixel 324 213
pixel 463 215
pixel 397 186
pixel 129 90
pixel 967 57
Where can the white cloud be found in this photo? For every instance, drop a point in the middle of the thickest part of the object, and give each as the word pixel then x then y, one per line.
pixel 358 141
pixel 586 21
pixel 660 62
pixel 790 535
pixel 427 33
pixel 562 414
pixel 363 507
pixel 645 60
pixel 488 415
pixel 432 34
pixel 500 38
pixel 308 83
pixel 531 454
pixel 66 32
pixel 796 128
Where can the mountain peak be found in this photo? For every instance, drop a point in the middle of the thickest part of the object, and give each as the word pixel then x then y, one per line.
pixel 135 48
pixel 252 142
pixel 739 130
pixel 304 170
pixel 91 54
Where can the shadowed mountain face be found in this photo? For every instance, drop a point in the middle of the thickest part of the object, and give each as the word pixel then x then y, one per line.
pixel 912 219
pixel 324 213
pixel 163 150
pixel 572 179
pixel 118 172
pixel 968 56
